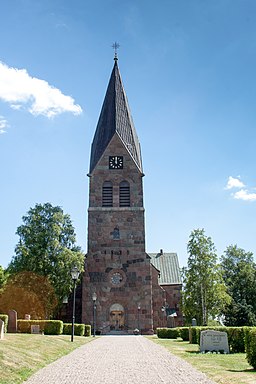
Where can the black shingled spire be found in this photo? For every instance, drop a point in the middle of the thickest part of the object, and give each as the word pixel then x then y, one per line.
pixel 115 117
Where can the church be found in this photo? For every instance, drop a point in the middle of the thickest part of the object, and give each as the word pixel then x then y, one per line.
pixel 124 288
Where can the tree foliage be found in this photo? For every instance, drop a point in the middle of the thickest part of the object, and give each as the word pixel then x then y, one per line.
pixel 239 273
pixel 28 293
pixel 3 277
pixel 204 293
pixel 47 247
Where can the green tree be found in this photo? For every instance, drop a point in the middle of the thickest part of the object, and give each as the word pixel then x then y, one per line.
pixel 3 277
pixel 239 274
pixel 204 293
pixel 47 247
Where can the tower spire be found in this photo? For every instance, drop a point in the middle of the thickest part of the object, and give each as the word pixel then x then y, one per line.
pixel 115 46
pixel 115 117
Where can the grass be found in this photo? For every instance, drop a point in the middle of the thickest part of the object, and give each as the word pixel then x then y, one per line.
pixel 23 354
pixel 223 369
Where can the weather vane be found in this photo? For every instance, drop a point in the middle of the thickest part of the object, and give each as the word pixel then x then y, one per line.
pixel 115 46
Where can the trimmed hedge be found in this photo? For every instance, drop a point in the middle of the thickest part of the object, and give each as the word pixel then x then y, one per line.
pixel 247 331
pixel 49 327
pixel 87 330
pixel 79 329
pixel 236 336
pixel 193 335
pixel 184 333
pixel 240 339
pixel 5 320
pixel 251 347
pixel 167 333
pixel 53 327
pixel 24 326
pixel 236 339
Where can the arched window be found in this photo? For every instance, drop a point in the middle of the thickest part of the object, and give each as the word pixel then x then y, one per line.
pixel 116 234
pixel 124 194
pixel 107 194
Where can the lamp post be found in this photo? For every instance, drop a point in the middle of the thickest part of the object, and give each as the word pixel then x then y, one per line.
pixel 74 274
pixel 139 307
pixel 94 298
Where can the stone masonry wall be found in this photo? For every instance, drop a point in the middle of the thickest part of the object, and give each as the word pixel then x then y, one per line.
pixel 122 257
pixel 173 298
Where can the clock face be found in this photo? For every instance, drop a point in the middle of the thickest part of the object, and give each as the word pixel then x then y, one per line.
pixel 116 162
pixel 116 278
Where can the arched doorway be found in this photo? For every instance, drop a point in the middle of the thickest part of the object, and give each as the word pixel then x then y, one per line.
pixel 116 317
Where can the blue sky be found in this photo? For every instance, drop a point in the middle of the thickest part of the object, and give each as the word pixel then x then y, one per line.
pixel 188 69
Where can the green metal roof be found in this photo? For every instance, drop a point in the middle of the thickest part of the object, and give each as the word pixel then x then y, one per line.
pixel 168 265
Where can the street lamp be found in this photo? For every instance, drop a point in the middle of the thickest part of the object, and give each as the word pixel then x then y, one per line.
pixel 74 274
pixel 94 298
pixel 139 317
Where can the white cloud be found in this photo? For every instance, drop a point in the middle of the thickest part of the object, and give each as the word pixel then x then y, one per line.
pixel 21 90
pixel 243 194
pixel 3 124
pixel 234 183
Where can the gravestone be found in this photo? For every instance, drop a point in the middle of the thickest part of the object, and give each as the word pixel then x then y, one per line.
pixel 35 329
pixel 12 321
pixel 214 341
pixel 1 329
pixel 193 322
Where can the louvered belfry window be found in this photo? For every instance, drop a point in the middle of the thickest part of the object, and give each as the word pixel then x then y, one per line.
pixel 124 194
pixel 107 194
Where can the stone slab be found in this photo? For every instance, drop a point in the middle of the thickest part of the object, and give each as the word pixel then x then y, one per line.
pixel 211 340
pixel 12 321
pixel 35 329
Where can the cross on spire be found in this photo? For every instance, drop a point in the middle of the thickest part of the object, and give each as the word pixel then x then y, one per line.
pixel 115 46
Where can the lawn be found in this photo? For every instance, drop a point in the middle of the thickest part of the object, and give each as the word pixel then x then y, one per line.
pixel 23 354
pixel 223 369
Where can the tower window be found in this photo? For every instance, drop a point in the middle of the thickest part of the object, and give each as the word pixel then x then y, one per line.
pixel 107 194
pixel 124 194
pixel 116 233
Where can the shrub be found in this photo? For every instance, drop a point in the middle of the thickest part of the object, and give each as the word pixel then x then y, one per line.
pixel 236 339
pixel 5 320
pixel 53 327
pixel 24 326
pixel 49 327
pixel 79 329
pixel 67 328
pixel 192 335
pixel 161 333
pixel 184 333
pixel 236 336
pixel 88 330
pixel 247 331
pixel 167 333
pixel 251 348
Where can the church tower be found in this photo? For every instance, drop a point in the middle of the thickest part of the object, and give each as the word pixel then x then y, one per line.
pixel 117 267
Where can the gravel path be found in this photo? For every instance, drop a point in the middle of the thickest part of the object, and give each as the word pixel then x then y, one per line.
pixel 119 360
